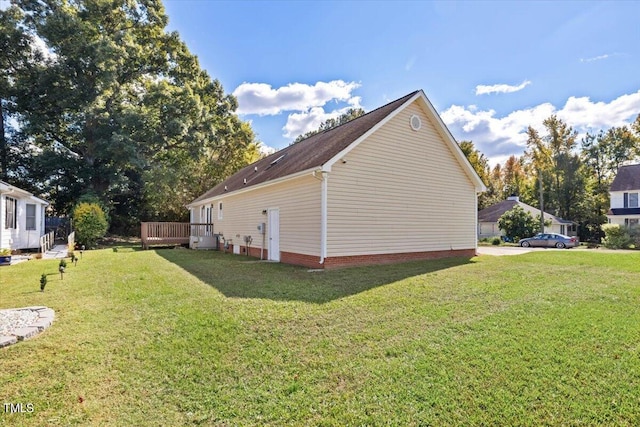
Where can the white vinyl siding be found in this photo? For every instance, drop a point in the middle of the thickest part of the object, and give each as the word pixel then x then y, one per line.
pixel 298 201
pixel 400 191
pixel 617 199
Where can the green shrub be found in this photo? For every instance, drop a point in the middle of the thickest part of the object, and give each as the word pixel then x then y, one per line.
pixel 496 241
pixel 518 223
pixel 616 237
pixel 90 223
pixel 634 235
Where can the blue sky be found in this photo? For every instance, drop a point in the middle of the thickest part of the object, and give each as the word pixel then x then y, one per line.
pixel 490 68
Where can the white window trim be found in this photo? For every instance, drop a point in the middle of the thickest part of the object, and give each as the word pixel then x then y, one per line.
pixel 10 201
pixel 35 215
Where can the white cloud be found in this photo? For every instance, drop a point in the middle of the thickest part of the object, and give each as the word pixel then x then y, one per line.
pixel 500 137
pixel 262 99
pixel 582 112
pixel 600 57
pixel 4 4
pixel 265 149
pixel 306 121
pixel 595 58
pixel 500 88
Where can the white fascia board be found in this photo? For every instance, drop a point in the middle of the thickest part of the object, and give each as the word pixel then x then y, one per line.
pixel 253 187
pixel 446 134
pixel 440 126
pixel 19 192
pixel 39 200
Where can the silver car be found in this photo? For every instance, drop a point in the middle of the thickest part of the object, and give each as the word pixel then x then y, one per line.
pixel 550 240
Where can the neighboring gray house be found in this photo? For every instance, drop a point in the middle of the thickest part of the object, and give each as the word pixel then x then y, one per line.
pixel 21 218
pixel 488 219
pixel 624 192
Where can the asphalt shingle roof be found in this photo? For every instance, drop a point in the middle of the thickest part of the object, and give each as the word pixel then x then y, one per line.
pixel 627 178
pixel 494 212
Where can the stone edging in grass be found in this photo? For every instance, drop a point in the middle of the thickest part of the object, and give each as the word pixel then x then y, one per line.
pixel 22 332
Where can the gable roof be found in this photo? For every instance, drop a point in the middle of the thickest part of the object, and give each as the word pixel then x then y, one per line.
pixel 627 178
pixel 323 149
pixel 8 189
pixel 494 212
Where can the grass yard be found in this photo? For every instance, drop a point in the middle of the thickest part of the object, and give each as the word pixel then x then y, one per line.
pixel 178 337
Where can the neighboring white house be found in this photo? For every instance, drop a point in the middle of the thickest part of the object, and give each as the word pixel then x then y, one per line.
pixel 21 218
pixel 391 185
pixel 624 191
pixel 488 219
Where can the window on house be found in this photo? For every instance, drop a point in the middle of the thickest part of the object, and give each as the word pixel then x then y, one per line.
pixel 31 217
pixel 219 210
pixel 633 222
pixel 633 200
pixel 10 213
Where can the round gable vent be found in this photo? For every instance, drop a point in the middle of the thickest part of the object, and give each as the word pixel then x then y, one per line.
pixel 416 123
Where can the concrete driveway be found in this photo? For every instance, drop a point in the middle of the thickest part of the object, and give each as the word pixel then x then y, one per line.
pixel 505 250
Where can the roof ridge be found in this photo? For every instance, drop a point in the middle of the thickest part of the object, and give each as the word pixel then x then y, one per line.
pixel 359 117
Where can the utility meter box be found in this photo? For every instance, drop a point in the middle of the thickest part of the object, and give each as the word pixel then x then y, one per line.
pixel 262 228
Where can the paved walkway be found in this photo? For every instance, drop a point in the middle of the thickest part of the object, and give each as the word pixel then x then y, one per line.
pixel 58 251
pixel 18 324
pixel 504 250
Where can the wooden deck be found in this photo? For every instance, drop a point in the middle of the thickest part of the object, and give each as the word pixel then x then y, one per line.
pixel 172 233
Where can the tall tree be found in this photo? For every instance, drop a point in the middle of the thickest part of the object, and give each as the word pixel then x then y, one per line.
pixel 558 167
pixel 121 103
pixel 352 113
pixel 480 164
pixel 602 154
pixel 17 55
pixel 514 176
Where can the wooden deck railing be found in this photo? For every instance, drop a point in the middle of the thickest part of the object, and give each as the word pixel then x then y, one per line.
pixel 71 241
pixel 47 241
pixel 172 233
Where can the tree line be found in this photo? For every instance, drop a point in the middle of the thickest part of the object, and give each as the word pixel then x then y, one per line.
pixel 572 175
pixel 99 101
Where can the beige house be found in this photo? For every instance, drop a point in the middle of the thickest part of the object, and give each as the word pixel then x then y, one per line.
pixel 488 219
pixel 391 185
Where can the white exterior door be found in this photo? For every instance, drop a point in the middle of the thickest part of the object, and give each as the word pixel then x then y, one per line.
pixel 274 235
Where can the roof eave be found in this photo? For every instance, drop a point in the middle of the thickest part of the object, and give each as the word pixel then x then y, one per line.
pixel 264 184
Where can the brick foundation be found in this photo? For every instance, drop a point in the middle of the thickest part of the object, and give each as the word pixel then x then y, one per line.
pixel 351 261
pixel 309 261
pixel 313 261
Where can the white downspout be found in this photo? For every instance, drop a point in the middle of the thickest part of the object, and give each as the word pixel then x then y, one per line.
pixel 475 209
pixel 323 217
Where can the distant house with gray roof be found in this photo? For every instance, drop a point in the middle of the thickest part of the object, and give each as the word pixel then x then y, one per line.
pixel 488 219
pixel 624 195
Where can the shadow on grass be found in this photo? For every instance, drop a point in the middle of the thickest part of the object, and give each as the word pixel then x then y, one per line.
pixel 236 276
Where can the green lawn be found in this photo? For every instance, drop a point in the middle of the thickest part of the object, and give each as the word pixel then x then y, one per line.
pixel 178 337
